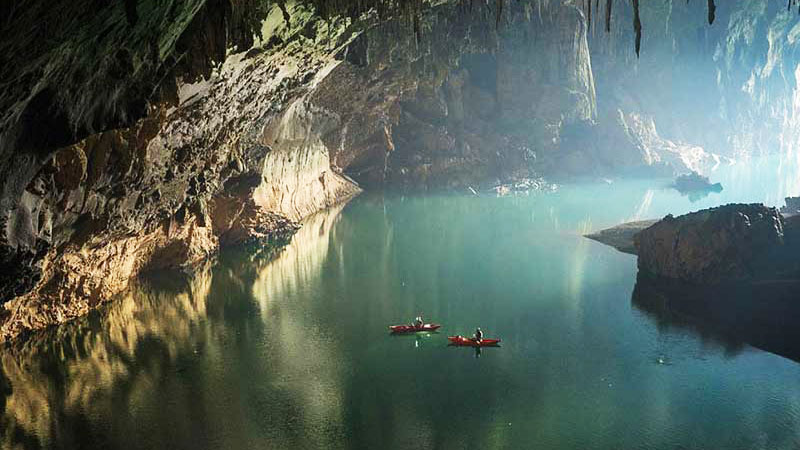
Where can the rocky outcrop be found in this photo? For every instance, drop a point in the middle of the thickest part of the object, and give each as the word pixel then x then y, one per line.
pixel 695 186
pixel 732 243
pixel 693 182
pixel 792 206
pixel 735 242
pixel 622 236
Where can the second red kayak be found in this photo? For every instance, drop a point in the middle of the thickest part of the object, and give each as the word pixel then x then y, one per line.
pixel 414 329
pixel 471 342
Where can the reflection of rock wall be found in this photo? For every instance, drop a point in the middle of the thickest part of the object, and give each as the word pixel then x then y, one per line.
pixel 300 261
pixel 97 363
pixel 302 354
pixel 65 382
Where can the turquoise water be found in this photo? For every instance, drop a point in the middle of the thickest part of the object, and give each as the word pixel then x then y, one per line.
pixel 292 352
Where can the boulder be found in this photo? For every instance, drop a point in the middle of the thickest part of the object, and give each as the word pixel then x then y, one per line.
pixel 727 243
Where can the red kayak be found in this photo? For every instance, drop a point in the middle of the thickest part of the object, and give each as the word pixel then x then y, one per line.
pixel 471 342
pixel 414 328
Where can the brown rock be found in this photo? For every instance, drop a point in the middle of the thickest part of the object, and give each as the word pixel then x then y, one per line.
pixel 731 242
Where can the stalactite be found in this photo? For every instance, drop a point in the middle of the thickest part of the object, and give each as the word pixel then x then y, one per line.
pixel 589 15
pixel 417 30
pixel 712 9
pixel 637 26
pixel 411 11
pixel 498 13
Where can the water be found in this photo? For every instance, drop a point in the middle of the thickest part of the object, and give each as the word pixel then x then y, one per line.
pixel 293 352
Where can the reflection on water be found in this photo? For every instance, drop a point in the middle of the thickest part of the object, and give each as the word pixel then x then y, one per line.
pixel 305 361
pixel 152 357
pixel 291 350
pixel 82 370
pixel 763 315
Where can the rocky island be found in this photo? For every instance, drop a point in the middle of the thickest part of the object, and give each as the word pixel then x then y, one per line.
pixel 726 244
pixel 695 186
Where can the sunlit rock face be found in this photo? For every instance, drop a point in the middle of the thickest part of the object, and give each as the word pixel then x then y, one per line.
pixel 80 222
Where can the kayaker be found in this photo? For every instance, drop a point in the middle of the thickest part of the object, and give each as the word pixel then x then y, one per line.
pixel 478 335
pixel 418 321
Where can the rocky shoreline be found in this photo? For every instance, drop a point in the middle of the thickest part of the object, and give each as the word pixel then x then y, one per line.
pixel 726 244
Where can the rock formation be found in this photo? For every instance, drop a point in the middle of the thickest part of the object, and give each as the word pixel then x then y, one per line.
pixel 731 243
pixel 163 192
pixel 622 237
pixel 695 186
pixel 792 206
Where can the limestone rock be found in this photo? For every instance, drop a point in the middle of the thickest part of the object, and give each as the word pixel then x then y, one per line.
pixel 731 242
pixel 622 236
pixel 792 206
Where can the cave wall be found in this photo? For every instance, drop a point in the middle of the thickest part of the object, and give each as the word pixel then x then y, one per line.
pixel 164 192
pixel 242 136
pixel 149 134
pixel 464 103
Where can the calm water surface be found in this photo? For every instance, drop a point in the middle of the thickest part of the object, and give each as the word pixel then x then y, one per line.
pixel 293 353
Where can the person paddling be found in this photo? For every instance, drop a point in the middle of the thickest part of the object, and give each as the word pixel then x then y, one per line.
pixel 418 322
pixel 478 335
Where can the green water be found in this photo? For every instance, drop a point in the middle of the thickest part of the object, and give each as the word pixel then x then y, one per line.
pixel 293 353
